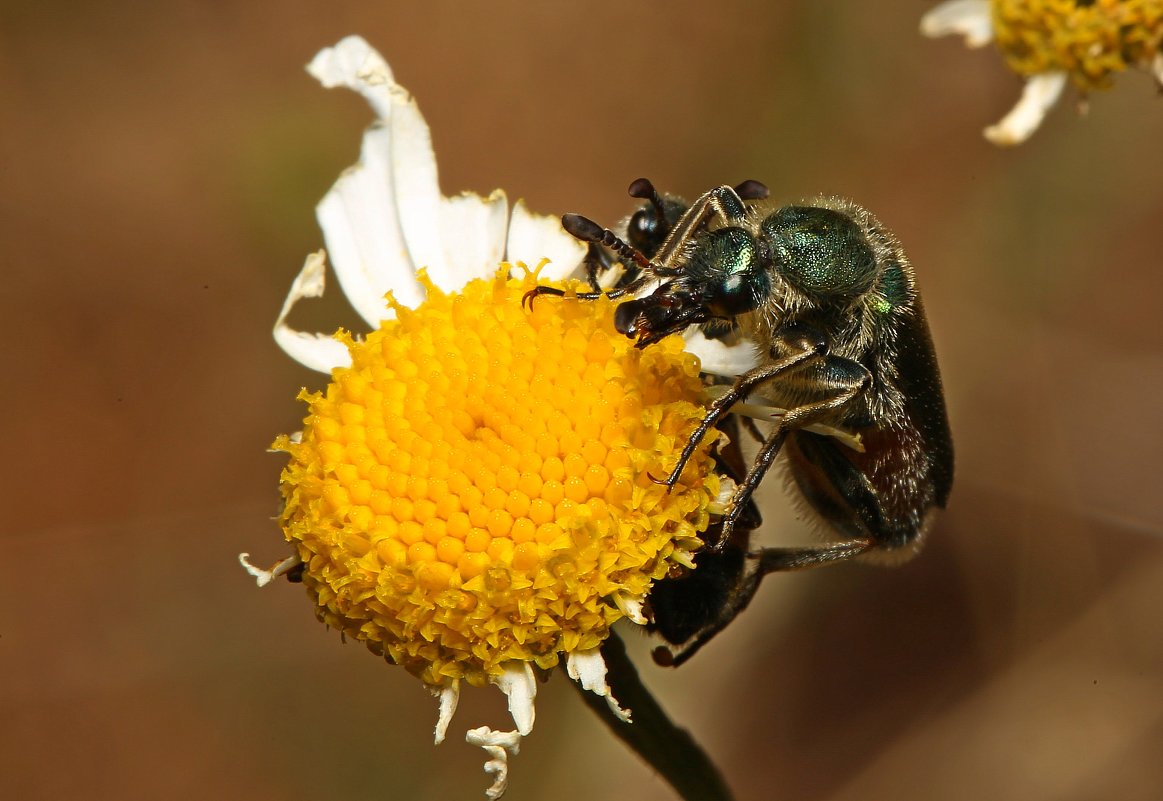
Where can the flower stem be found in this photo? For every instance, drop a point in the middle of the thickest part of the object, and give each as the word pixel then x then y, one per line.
pixel 664 746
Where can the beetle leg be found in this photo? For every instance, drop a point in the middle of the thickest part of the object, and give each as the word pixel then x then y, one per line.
pixel 737 597
pixel 772 560
pixel 629 289
pixel 804 346
pixel 596 262
pixel 807 414
pixel 722 201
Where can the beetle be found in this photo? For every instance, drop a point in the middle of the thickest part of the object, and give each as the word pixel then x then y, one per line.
pixel 828 295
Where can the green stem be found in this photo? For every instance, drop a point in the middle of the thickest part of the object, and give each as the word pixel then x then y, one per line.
pixel 664 746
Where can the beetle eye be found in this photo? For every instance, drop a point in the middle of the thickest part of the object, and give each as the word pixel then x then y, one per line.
pixel 738 294
pixel 643 223
pixel 728 266
pixel 820 251
pixel 645 231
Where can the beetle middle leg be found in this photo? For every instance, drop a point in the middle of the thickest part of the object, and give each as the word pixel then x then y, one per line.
pixel 844 389
pixel 802 345
pixel 848 380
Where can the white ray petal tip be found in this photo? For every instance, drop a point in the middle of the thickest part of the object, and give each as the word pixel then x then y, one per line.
pixel 351 58
pixel 1039 94
pixel 498 745
pixel 967 18
pixel 449 697
pixel 317 351
pixel 265 577
pixel 630 607
pixel 520 685
pixel 588 669
pixel 723 498
pixel 534 237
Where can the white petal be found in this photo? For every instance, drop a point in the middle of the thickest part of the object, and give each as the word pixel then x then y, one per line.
pixel 472 233
pixel 364 234
pixel 355 64
pixel 588 669
pixel 970 18
pixel 386 217
pixel 317 351
pixel 265 577
pixel 363 216
pixel 718 358
pixel 519 684
pixel 416 184
pixel 1157 68
pixel 498 745
pixel 533 237
pixel 449 696
pixel 1039 94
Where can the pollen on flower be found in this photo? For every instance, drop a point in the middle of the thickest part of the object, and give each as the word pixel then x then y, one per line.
pixel 1091 41
pixel 475 490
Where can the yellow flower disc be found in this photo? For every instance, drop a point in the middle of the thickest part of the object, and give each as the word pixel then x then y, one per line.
pixel 476 488
pixel 1089 40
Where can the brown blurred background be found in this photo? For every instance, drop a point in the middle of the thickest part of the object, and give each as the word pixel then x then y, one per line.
pixel 160 162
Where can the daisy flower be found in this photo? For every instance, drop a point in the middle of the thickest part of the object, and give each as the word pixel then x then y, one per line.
pixel 471 495
pixel 1051 42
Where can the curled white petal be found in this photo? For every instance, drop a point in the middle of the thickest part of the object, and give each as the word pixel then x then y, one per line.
pixel 969 18
pixel 1038 95
pixel 416 185
pixel 361 226
pixel 630 607
pixel 385 217
pixel 265 577
pixel 456 239
pixel 449 696
pixel 588 669
pixel 360 215
pixel 520 685
pixel 317 351
pixel 533 237
pixel 718 358
pixel 1157 68
pixel 498 745
pixel 355 64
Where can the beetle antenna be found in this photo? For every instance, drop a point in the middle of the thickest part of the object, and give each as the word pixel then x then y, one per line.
pixel 643 189
pixel 587 230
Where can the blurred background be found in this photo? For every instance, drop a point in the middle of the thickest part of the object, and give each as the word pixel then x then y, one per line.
pixel 160 163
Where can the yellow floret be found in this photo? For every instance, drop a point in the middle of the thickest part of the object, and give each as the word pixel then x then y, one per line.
pixel 476 489
pixel 1090 41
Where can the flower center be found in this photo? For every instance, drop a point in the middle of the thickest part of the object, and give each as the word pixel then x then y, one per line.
pixel 1091 39
pixel 476 488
